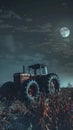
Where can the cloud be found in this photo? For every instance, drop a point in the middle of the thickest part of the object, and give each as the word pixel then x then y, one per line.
pixel 9 14
pixel 42 28
pixel 64 49
pixel 45 28
pixel 70 64
pixel 21 28
pixel 1 10
pixel 1 21
pixel 10 43
pixel 14 15
pixel 5 16
pixel 5 26
pixel 28 19
pixel 37 57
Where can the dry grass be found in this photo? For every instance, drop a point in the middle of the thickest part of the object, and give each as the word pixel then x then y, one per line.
pixel 14 115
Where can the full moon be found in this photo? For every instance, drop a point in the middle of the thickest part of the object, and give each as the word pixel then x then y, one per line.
pixel 65 32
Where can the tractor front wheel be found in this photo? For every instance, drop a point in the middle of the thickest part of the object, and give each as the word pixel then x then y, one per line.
pixel 53 83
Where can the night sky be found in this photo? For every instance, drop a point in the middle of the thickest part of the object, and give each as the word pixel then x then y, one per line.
pixel 30 33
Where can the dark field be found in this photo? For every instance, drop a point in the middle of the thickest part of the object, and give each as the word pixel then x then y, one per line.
pixel 47 113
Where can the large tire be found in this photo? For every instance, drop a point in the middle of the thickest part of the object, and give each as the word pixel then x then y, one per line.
pixel 7 90
pixel 53 83
pixel 30 90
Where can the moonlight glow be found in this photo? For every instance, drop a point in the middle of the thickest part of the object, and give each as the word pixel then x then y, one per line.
pixel 65 32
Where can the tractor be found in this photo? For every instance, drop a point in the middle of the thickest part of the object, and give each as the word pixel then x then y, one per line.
pixel 28 86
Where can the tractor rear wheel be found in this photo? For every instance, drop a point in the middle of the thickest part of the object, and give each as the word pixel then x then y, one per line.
pixel 8 90
pixel 30 90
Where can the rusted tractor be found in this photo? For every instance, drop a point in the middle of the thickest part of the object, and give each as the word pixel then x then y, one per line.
pixel 37 80
pixel 28 86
